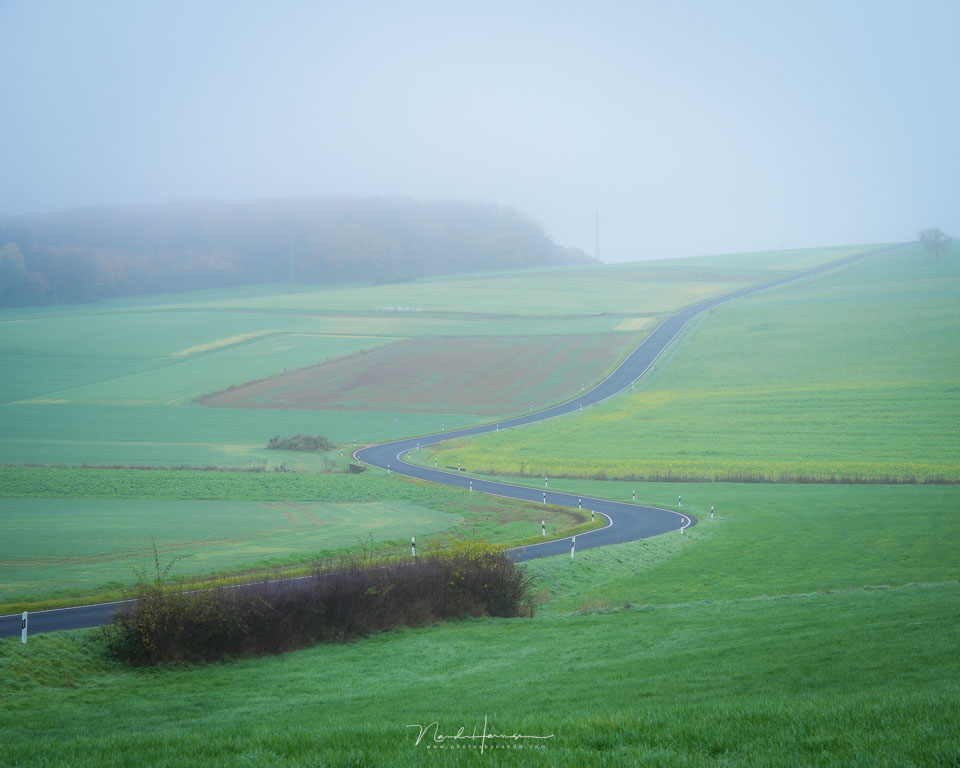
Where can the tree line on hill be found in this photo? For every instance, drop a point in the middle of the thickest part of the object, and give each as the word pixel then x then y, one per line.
pixel 93 253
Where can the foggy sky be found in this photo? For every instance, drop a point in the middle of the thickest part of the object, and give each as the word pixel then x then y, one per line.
pixel 694 127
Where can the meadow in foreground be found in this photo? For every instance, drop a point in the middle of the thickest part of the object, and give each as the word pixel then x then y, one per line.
pixel 856 678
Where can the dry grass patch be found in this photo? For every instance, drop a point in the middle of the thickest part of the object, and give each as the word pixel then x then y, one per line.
pixel 482 375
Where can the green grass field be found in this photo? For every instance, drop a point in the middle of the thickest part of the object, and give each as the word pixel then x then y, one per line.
pixel 807 624
pixel 748 676
pixel 853 376
pixel 765 540
pixel 91 544
pixel 112 383
pixel 81 535
pixel 74 435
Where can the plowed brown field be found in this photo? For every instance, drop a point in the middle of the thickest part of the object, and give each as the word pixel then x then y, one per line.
pixel 480 375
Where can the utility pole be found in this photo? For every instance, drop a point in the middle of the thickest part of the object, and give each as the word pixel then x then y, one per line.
pixel 596 234
pixel 291 263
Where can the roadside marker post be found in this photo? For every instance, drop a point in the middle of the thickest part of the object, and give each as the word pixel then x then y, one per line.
pixel 679 501
pixel 341 453
pixel 593 516
pixel 544 497
pixel 413 546
pixel 573 545
pixel 546 484
pixel 634 495
pixel 471 486
pixel 434 463
pixel 579 503
pixel 711 511
pixel 388 469
pixel 23 628
pixel 543 528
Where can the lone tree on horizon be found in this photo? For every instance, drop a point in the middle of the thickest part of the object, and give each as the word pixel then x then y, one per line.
pixel 934 239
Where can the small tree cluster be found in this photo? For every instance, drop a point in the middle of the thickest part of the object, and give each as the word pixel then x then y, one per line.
pixel 309 443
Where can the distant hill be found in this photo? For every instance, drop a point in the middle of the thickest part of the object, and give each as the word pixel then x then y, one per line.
pixel 93 253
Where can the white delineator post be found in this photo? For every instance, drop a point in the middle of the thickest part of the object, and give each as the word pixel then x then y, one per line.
pixel 413 546
pixel 634 495
pixel 544 497
pixel 679 501
pixel 471 486
pixel 711 511
pixel 546 483
pixel 573 545
pixel 543 527
pixel 593 516
pixel 23 628
pixel 579 503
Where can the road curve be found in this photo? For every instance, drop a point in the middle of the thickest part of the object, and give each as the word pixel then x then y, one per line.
pixel 625 521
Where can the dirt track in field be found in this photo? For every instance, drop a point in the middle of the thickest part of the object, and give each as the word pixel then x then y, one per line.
pixel 482 375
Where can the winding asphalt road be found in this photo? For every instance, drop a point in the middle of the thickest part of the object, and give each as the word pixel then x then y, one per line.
pixel 625 521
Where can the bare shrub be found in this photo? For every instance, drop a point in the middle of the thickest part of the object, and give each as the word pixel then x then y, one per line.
pixel 339 602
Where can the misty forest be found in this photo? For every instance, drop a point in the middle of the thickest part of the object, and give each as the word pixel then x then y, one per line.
pixel 96 253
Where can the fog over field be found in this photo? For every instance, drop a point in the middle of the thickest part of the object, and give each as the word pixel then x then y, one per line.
pixel 691 127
